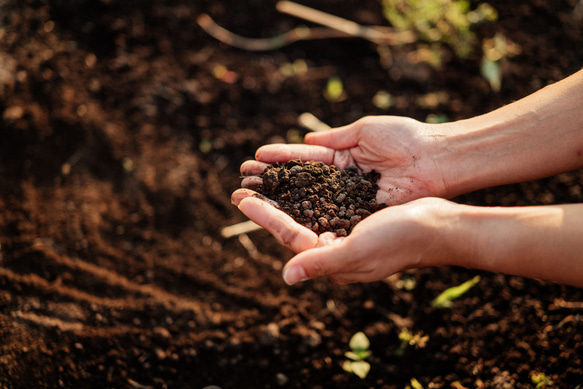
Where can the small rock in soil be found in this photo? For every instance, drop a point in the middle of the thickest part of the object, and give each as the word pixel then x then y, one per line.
pixel 321 197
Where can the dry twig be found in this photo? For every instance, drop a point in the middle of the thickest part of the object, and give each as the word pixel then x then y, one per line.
pixel 265 44
pixel 560 303
pixel 377 34
pixel 240 228
pixel 335 27
pixel 312 123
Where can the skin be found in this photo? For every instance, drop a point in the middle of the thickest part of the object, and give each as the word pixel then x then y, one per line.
pixel 423 164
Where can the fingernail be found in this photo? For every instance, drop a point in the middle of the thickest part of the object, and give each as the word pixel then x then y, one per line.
pixel 294 274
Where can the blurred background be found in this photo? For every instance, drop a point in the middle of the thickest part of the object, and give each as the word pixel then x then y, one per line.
pixel 122 128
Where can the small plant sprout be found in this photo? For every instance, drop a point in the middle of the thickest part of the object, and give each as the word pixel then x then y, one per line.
pixel 407 338
pixel 359 351
pixel 414 384
pixel 495 49
pixel 439 22
pixel 334 90
pixel 406 283
pixel 540 380
pixel 444 300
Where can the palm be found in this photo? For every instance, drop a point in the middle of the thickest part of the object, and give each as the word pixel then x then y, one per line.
pixel 400 149
pixel 400 153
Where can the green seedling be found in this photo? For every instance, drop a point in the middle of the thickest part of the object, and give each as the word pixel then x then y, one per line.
pixel 439 22
pixel 437 118
pixel 334 91
pixel 540 380
pixel 406 283
pixel 444 300
pixel 491 71
pixel 298 68
pixel 359 351
pixel 414 384
pixel 496 49
pixel 407 339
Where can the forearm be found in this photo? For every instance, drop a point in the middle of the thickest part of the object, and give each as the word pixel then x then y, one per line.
pixel 544 242
pixel 538 136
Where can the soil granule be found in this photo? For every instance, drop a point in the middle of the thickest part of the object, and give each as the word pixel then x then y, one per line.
pixel 120 147
pixel 321 197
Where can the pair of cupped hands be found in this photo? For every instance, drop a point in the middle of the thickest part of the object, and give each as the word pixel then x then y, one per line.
pixel 393 239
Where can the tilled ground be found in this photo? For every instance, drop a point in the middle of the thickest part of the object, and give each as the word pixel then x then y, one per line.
pixel 122 129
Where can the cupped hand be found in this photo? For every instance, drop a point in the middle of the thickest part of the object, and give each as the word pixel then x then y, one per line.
pixel 401 149
pixel 390 240
pixel 394 239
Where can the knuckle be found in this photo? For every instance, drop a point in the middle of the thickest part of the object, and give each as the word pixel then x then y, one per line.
pixel 288 236
pixel 317 268
pixel 342 158
pixel 364 121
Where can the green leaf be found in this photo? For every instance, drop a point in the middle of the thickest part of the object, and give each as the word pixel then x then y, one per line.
pixel 364 354
pixel 359 342
pixel 437 118
pixel 490 70
pixel 416 384
pixel 360 368
pixel 540 380
pixel 357 355
pixel 444 299
pixel 334 89
pixel 352 355
pixel 347 366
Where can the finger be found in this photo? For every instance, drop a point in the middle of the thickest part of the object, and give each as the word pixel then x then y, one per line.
pixel 251 182
pixel 240 194
pixel 243 193
pixel 285 229
pixel 318 262
pixel 253 168
pixel 339 138
pixel 284 153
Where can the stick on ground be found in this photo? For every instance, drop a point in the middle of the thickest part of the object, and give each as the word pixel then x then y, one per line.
pixel 335 27
pixel 265 44
pixel 377 34
pixel 240 228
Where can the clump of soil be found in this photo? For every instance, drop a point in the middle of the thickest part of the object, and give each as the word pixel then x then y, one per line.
pixel 321 197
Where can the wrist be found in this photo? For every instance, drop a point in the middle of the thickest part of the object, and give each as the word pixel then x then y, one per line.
pixel 541 242
pixel 535 137
pixel 445 232
pixel 475 154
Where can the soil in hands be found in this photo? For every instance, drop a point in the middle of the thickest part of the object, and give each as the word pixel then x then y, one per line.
pixel 321 197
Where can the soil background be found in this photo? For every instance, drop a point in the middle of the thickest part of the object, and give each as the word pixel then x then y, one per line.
pixel 122 129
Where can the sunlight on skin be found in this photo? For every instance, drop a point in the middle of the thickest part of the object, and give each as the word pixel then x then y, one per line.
pixel 404 177
pixel 289 233
pixel 432 162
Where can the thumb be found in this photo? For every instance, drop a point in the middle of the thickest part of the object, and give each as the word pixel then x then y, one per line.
pixel 317 262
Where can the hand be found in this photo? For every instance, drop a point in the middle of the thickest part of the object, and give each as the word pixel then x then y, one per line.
pixel 399 148
pixel 402 150
pixel 391 240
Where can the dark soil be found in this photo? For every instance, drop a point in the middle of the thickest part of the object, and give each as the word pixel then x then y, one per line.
pixel 321 197
pixel 122 129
